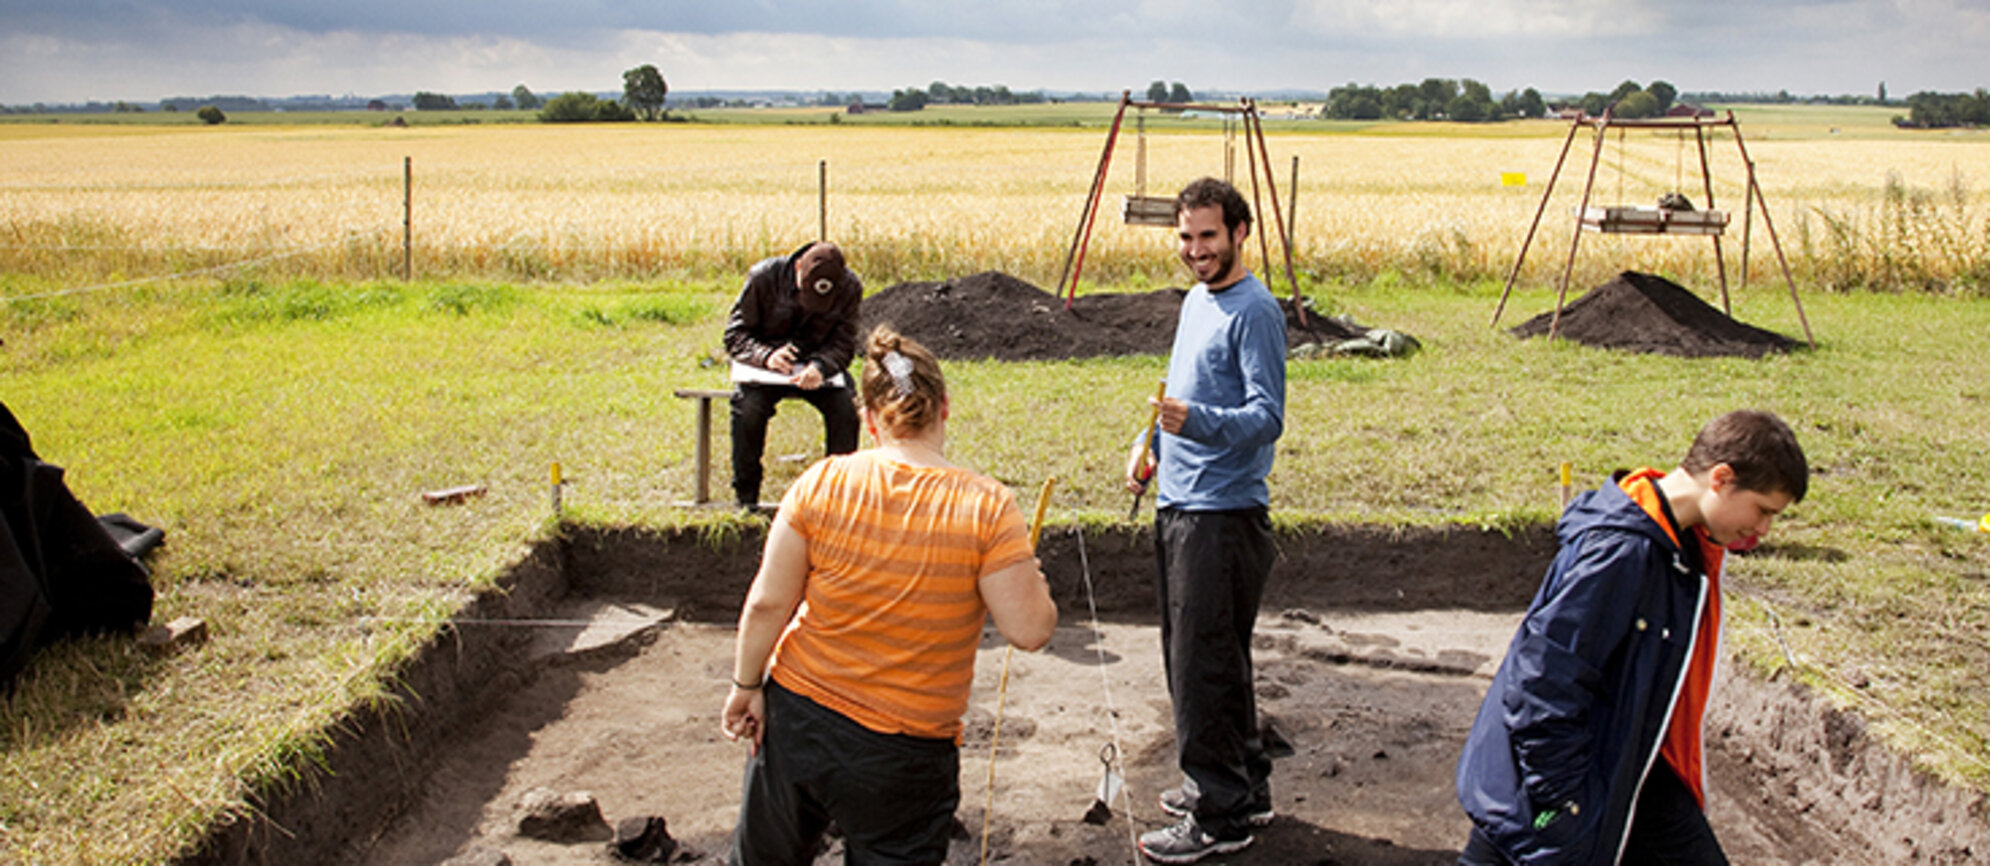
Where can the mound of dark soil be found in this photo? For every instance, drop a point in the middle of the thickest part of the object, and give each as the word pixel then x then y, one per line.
pixel 1646 313
pixel 998 316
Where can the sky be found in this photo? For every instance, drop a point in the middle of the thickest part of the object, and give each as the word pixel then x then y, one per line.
pixel 67 51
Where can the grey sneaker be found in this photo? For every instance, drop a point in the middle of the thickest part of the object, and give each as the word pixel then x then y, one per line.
pixel 1180 802
pixel 1185 842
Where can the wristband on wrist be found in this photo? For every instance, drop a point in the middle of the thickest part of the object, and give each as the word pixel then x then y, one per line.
pixel 752 688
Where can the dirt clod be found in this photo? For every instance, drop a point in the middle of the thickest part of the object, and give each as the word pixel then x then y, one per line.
pixel 572 817
pixel 643 839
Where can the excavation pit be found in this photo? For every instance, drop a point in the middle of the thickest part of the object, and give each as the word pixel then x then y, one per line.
pixel 602 667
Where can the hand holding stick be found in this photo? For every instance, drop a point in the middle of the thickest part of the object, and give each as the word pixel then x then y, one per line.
pixel 1142 472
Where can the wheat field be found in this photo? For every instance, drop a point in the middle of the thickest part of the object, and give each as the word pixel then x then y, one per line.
pixel 83 206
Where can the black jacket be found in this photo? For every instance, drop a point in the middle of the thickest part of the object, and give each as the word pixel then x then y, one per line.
pixel 61 573
pixel 768 315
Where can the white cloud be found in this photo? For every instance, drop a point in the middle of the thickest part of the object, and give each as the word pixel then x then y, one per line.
pixel 1474 20
pixel 81 50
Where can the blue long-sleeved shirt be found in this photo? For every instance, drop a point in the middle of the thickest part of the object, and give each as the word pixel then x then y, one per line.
pixel 1228 364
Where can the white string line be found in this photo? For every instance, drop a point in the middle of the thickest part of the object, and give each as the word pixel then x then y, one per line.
pixel 347 238
pixel 1860 696
pixel 1112 712
pixel 515 623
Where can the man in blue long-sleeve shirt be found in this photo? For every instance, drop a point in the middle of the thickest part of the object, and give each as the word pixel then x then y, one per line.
pixel 1218 423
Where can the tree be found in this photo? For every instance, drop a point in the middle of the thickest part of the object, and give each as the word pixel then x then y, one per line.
pixel 1664 92
pixel 1157 91
pixel 1529 104
pixel 1354 102
pixel 1400 102
pixel 1464 109
pixel 426 101
pixel 502 103
pixel 1437 92
pixel 526 99
pixel 1627 88
pixel 1179 92
pixel 1639 104
pixel 907 100
pixel 210 115
pixel 1882 93
pixel 576 106
pixel 644 90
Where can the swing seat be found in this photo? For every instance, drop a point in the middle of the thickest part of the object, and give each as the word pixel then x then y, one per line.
pixel 1653 221
pixel 1147 210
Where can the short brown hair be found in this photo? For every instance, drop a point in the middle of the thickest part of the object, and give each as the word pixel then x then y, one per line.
pixel 1758 446
pixel 1208 192
pixel 908 404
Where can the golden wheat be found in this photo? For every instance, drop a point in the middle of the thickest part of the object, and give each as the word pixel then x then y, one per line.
pixel 586 202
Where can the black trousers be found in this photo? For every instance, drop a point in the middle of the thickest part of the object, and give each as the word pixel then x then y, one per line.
pixel 1668 830
pixel 754 405
pixel 892 795
pixel 1213 567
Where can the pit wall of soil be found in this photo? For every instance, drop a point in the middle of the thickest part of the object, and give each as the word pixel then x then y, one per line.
pixel 1340 567
pixel 1801 749
pixel 1794 743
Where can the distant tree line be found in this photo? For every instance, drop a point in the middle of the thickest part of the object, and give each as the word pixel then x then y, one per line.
pixel 942 93
pixel 1784 97
pixel 1469 101
pixel 1929 110
pixel 644 95
pixel 1466 101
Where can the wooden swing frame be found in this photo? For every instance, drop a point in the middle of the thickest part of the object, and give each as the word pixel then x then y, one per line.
pixel 1625 220
pixel 1141 209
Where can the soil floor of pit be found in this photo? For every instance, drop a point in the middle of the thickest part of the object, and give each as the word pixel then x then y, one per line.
pixel 1375 707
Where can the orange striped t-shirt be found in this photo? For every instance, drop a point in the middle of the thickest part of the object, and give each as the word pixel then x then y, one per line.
pixel 891 612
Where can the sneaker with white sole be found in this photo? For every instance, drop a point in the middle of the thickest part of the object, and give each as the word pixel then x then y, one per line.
pixel 1186 842
pixel 1180 802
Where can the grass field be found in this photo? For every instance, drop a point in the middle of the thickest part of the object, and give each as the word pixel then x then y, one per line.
pixel 280 419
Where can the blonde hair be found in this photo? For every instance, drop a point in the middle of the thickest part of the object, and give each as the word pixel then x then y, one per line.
pixel 903 387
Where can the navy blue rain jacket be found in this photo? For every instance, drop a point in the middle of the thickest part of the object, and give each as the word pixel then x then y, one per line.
pixel 1576 715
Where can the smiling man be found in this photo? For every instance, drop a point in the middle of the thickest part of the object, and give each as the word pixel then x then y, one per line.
pixel 1222 414
pixel 1587 748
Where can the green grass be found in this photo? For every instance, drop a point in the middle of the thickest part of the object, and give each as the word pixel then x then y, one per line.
pixel 281 431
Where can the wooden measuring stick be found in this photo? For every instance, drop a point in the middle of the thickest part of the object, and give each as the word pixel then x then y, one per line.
pixel 1147 446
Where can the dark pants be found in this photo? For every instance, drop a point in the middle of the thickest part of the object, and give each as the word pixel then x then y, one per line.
pixel 1213 566
pixel 893 796
pixel 1669 828
pixel 754 405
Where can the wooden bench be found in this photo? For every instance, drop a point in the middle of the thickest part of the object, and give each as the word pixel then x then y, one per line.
pixel 704 396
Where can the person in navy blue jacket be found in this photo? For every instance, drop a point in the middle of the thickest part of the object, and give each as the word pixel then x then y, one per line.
pixel 1587 747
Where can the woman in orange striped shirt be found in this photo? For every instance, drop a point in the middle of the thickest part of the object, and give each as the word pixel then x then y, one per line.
pixel 880 570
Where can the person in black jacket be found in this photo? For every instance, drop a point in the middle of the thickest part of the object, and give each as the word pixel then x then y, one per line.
pixel 61 572
pixel 791 334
